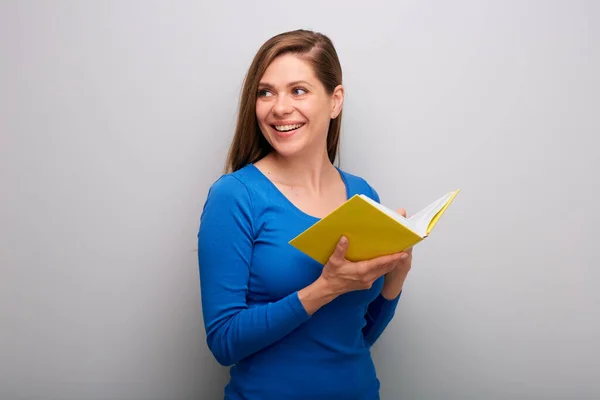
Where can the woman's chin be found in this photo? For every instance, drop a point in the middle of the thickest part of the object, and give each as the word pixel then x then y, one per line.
pixel 289 148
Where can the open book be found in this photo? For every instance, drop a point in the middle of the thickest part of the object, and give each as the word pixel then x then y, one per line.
pixel 372 229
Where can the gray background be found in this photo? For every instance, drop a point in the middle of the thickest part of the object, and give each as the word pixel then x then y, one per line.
pixel 115 119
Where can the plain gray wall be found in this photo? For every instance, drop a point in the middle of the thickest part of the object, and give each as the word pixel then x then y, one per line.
pixel 115 119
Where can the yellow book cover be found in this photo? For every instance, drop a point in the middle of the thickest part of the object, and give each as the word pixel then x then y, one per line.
pixel 371 228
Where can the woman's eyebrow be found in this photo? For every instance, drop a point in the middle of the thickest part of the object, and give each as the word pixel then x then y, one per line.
pixel 299 83
pixel 267 85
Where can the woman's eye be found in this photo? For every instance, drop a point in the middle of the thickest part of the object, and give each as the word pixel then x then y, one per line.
pixel 264 93
pixel 299 91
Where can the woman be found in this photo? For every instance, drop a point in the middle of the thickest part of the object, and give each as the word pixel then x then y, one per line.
pixel 290 327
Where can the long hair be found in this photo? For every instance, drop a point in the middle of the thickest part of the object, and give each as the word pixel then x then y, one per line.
pixel 249 144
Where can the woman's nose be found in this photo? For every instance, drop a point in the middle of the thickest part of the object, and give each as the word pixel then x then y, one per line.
pixel 283 105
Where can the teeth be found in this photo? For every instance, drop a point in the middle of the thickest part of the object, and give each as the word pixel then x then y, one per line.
pixel 286 128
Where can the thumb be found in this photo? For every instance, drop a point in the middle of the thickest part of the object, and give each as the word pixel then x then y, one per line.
pixel 402 212
pixel 340 249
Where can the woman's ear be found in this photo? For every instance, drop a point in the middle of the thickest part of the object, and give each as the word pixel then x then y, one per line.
pixel 338 101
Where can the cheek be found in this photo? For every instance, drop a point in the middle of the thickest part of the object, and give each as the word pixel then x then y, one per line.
pixel 319 115
pixel 262 110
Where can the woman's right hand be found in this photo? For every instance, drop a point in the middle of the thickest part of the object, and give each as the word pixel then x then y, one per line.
pixel 342 276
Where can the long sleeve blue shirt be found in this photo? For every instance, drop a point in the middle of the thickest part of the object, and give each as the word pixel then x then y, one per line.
pixel 249 279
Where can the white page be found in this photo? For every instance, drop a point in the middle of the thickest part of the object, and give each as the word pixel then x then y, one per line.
pixel 404 221
pixel 422 219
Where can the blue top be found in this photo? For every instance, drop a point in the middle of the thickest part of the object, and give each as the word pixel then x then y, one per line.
pixel 250 277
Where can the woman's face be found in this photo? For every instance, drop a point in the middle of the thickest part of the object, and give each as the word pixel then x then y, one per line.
pixel 292 107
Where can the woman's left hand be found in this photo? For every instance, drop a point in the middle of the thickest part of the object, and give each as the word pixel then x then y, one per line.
pixel 394 280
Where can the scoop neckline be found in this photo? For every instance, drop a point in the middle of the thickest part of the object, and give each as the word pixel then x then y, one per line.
pixel 289 202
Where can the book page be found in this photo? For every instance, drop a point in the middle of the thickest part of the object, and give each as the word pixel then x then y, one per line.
pixel 404 221
pixel 422 219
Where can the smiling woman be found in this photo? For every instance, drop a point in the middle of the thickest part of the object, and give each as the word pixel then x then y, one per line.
pixel 316 64
pixel 294 109
pixel 290 327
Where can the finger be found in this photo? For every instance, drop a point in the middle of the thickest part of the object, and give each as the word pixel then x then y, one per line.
pixel 381 262
pixel 382 269
pixel 402 212
pixel 340 249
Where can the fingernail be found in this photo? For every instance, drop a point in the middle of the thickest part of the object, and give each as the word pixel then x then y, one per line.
pixel 343 240
pixel 403 256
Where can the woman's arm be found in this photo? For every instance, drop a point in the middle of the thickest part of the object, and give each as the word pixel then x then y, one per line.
pixel 379 314
pixel 225 242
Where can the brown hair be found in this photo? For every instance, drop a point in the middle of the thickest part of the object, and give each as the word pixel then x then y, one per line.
pixel 249 145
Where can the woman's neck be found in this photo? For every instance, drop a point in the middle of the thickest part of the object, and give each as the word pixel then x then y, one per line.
pixel 310 173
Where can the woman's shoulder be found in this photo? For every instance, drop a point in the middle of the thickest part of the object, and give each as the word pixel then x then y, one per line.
pixel 241 183
pixel 228 204
pixel 230 183
pixel 358 184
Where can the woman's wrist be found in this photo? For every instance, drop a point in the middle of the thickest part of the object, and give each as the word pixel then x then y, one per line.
pixel 316 295
pixel 391 289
